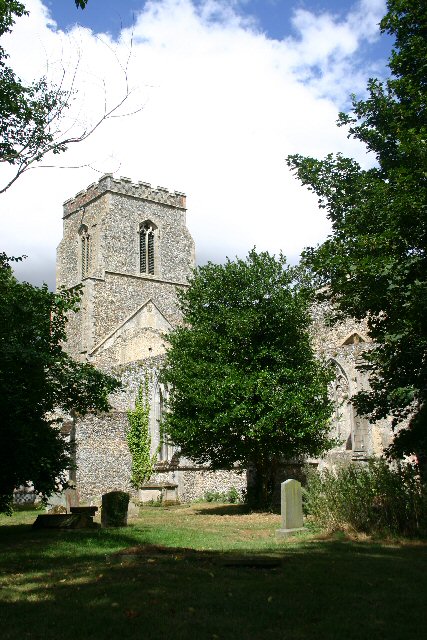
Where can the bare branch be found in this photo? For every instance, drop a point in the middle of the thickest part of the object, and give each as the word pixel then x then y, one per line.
pixel 36 131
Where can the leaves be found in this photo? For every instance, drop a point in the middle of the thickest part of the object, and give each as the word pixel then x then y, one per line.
pixel 375 261
pixel 245 386
pixel 37 377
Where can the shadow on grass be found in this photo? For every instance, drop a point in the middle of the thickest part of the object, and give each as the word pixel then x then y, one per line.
pixel 111 584
pixel 222 509
pixel 232 509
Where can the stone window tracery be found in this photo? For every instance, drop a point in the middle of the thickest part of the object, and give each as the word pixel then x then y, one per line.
pixel 340 395
pixel 348 426
pixel 166 448
pixel 147 248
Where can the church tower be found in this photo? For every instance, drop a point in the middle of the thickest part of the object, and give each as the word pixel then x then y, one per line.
pixel 128 245
pixel 129 248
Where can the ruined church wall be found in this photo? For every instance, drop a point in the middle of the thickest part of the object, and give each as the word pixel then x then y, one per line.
pixel 334 343
pixel 102 456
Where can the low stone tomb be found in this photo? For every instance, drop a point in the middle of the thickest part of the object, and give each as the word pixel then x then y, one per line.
pixel 114 512
pixel 291 508
pixel 79 518
pixel 65 521
pixel 164 492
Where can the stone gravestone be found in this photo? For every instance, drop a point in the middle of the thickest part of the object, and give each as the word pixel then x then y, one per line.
pixel 114 511
pixel 291 508
pixel 71 498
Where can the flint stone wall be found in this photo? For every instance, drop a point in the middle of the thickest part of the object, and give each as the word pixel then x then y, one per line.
pixel 102 455
pixel 112 211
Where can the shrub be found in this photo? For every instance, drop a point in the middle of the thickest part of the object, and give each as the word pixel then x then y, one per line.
pixel 369 498
pixel 231 496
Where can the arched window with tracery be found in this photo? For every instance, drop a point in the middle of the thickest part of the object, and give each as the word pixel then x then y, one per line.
pixel 166 448
pixel 342 418
pixel 85 250
pixel 147 248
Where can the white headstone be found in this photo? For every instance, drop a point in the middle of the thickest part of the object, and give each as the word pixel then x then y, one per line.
pixel 291 508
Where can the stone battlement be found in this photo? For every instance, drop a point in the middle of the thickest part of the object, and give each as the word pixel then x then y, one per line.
pixel 124 186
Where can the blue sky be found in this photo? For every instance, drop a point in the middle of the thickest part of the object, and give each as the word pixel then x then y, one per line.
pixel 221 91
pixel 271 16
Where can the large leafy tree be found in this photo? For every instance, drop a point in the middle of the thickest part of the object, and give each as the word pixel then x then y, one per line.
pixel 245 386
pixel 37 379
pixel 374 263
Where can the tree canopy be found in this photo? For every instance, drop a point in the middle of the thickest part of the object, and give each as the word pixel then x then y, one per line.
pixel 374 263
pixel 37 379
pixel 245 386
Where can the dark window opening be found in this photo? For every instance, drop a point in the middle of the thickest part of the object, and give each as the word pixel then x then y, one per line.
pixel 146 248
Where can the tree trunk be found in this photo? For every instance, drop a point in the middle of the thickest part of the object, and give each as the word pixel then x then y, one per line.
pixel 262 484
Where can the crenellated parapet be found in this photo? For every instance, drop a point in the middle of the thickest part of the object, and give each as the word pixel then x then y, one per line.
pixel 124 186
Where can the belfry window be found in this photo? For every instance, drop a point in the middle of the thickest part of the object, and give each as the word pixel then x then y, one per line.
pixel 85 250
pixel 147 248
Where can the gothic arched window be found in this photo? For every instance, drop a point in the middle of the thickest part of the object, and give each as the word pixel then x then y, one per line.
pixel 342 418
pixel 166 448
pixel 147 248
pixel 85 250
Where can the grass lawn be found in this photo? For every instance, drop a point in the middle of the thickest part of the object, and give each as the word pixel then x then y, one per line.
pixel 206 572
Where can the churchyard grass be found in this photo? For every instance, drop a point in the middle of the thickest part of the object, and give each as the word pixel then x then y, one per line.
pixel 207 571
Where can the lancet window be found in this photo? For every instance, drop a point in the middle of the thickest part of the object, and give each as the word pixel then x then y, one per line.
pixel 147 248
pixel 85 250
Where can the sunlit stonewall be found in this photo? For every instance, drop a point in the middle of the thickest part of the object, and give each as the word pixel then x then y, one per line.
pixel 291 508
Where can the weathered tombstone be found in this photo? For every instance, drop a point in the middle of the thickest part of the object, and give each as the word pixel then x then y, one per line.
pixel 114 511
pixel 291 508
pixel 71 498
pixel 133 509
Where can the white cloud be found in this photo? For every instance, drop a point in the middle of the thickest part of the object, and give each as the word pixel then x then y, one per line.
pixel 223 107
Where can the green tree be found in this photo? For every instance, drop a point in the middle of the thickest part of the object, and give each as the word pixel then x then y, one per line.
pixel 375 261
pixel 37 378
pixel 245 386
